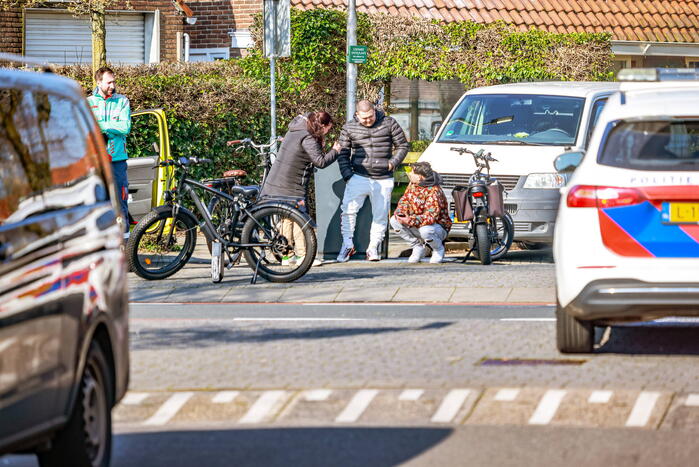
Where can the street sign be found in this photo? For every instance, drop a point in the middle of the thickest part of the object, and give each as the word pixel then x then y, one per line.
pixel 277 38
pixel 357 54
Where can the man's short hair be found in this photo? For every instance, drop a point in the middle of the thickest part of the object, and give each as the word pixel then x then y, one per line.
pixel 424 169
pixel 99 73
pixel 364 106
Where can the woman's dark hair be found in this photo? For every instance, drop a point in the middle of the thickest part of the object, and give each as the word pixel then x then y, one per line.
pixel 423 169
pixel 316 122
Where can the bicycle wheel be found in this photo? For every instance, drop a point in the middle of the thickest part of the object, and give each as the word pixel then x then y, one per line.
pixel 502 231
pixel 288 243
pixel 159 245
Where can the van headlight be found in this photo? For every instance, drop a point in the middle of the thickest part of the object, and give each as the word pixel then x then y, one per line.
pixel 543 181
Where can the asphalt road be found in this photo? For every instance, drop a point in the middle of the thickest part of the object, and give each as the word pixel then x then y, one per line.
pixel 400 384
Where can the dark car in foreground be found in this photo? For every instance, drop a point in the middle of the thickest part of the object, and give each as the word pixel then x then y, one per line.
pixel 63 291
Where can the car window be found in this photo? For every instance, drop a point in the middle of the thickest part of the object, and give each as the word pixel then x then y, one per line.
pixel 594 116
pixel 522 118
pixel 44 145
pixel 653 145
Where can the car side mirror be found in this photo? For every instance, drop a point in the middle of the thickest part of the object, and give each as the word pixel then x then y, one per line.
pixel 568 161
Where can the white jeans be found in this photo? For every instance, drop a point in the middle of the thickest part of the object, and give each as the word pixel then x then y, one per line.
pixel 356 192
pixel 414 236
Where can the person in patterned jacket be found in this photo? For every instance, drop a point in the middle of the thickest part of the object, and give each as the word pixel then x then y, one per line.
pixel 422 215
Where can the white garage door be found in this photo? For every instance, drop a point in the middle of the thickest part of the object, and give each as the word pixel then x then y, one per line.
pixel 60 38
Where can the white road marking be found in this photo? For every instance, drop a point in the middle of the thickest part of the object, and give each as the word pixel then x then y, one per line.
pixel 642 409
pixel 528 319
pixel 224 397
pixel 401 304
pixel 263 406
pixel 134 398
pixel 599 397
pixel 692 400
pixel 411 395
pixel 450 406
pixel 315 395
pixel 298 319
pixel 506 395
pixel 169 408
pixel 548 405
pixel 357 406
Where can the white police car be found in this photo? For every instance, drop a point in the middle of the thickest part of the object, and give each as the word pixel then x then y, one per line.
pixel 626 243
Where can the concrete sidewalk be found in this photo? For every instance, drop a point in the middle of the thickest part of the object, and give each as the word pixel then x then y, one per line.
pixel 521 277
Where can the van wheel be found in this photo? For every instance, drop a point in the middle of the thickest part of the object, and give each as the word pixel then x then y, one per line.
pixel 572 334
pixel 86 440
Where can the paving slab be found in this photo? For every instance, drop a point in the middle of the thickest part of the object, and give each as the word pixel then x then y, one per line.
pixel 366 294
pixel 480 294
pixel 253 294
pixel 534 294
pixel 310 294
pixel 423 294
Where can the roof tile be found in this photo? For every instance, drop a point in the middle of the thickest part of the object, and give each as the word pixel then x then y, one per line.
pixel 665 20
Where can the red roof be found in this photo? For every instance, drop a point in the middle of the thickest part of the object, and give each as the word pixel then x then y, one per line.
pixel 632 20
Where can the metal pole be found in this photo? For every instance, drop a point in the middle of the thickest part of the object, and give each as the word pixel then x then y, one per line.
pixel 351 67
pixel 272 83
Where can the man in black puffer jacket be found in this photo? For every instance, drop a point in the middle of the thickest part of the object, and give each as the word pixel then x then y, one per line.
pixel 366 163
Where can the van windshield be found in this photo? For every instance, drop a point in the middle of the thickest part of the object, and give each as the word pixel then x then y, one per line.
pixel 515 118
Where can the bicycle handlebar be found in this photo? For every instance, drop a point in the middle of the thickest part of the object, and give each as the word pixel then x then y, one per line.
pixel 481 154
pixel 184 161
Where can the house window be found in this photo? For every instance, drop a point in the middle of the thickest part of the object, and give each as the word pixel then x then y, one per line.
pixel 420 106
pixel 209 55
pixel 692 63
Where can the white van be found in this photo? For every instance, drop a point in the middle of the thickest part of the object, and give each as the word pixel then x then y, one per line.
pixel 525 126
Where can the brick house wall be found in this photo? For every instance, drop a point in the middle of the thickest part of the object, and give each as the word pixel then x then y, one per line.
pixel 11 31
pixel 217 18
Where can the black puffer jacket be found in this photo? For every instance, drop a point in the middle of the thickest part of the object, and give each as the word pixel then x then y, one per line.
pixel 367 151
pixel 293 168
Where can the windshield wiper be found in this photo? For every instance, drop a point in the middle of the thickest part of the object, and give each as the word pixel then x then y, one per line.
pixel 520 143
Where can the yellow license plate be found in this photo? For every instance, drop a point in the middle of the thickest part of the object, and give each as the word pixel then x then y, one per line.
pixel 681 213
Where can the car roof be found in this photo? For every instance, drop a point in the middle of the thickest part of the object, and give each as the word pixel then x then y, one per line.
pixel 557 88
pixel 654 101
pixel 47 82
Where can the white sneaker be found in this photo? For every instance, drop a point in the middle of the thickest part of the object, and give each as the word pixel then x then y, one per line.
pixel 372 254
pixel 437 252
pixel 345 253
pixel 418 254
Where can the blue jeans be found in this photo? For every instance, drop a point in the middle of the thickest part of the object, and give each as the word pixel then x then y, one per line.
pixel 121 183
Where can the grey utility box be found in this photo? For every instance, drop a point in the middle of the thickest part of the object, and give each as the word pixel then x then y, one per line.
pixel 329 189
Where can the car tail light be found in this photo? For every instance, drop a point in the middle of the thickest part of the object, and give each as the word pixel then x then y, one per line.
pixel 590 196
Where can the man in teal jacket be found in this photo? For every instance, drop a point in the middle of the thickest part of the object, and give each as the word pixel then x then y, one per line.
pixel 113 113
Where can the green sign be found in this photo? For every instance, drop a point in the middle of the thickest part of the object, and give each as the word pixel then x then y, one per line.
pixel 357 54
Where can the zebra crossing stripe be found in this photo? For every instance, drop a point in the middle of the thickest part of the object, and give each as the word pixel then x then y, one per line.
pixel 506 395
pixel 134 398
pixel 169 409
pixel 642 409
pixel 224 397
pixel 450 406
pixel 357 406
pixel 411 394
pixel 599 397
pixel 692 400
pixel 317 395
pixel 547 408
pixel 263 406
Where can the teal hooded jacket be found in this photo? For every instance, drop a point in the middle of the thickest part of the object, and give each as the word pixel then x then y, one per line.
pixel 114 118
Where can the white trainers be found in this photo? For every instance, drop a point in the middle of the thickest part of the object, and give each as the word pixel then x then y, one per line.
pixel 372 254
pixel 345 253
pixel 418 253
pixel 437 252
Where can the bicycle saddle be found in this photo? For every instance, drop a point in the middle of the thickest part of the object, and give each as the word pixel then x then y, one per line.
pixel 235 173
pixel 247 191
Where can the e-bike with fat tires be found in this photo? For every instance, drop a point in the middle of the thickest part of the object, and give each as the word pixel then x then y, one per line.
pixel 276 239
pixel 481 203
